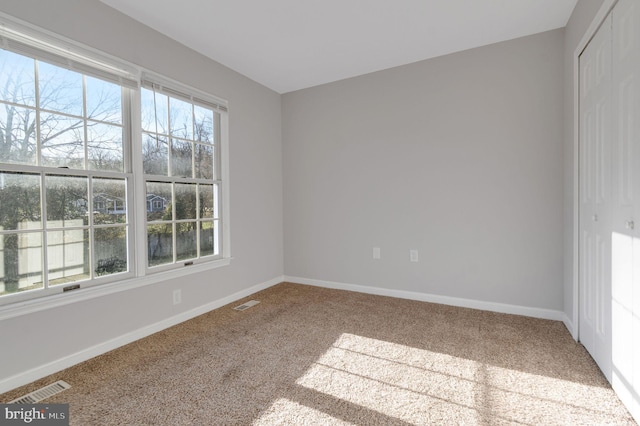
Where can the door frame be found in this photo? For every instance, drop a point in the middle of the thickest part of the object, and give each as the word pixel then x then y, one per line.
pixel 603 12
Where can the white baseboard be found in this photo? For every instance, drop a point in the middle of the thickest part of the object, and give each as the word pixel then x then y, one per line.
pixel 39 372
pixel 569 324
pixel 444 300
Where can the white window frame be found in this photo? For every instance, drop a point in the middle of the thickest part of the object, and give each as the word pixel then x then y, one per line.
pixel 187 93
pixel 21 37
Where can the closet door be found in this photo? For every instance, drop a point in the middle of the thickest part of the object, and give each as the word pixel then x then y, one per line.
pixel 625 235
pixel 595 197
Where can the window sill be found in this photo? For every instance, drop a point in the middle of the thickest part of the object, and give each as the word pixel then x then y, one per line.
pixel 48 302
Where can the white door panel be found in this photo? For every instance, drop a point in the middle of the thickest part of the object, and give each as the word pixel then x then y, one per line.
pixel 595 197
pixel 625 253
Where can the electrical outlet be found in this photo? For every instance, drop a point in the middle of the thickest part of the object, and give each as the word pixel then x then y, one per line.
pixel 177 296
pixel 413 255
pixel 376 252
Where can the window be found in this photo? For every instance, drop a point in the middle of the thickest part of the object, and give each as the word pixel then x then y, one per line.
pixel 62 144
pixel 101 180
pixel 180 151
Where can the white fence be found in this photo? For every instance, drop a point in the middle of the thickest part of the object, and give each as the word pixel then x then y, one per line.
pixel 67 252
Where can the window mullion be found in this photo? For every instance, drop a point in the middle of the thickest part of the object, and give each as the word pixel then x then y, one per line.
pixel 137 197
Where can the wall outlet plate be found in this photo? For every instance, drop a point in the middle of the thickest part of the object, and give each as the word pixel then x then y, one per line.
pixel 177 296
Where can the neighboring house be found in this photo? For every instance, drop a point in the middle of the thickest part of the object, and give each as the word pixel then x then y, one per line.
pixel 155 203
pixel 106 204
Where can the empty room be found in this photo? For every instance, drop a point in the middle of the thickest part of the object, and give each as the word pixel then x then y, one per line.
pixel 339 212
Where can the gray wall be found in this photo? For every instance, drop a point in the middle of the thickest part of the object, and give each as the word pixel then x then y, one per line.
pixel 459 157
pixel 578 24
pixel 256 190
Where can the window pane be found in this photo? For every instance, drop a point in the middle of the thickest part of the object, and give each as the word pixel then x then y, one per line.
pixel 206 238
pixel 186 240
pixel 154 111
pixel 60 89
pixel 205 193
pixel 20 262
pixel 181 161
pixel 62 140
pixel 111 250
pixel 17 79
pixel 105 147
pixel 17 134
pixel 185 201
pixel 19 201
pixel 203 124
pixel 66 201
pixel 155 155
pixel 109 201
pixel 158 201
pixel 104 101
pixel 204 161
pixel 181 119
pixel 160 244
pixel 68 256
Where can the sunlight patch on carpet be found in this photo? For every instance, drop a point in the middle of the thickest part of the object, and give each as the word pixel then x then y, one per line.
pixel 417 386
pixel 284 411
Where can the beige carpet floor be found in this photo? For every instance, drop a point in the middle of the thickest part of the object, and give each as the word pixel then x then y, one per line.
pixel 314 356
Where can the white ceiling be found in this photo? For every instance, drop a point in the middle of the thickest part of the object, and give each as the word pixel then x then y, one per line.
pixel 293 44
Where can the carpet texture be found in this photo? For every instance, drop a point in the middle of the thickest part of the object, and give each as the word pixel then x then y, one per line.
pixel 309 355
